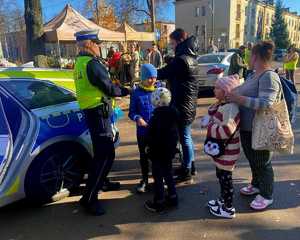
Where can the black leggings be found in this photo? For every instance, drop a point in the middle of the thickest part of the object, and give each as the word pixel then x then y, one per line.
pixel 225 180
pixel 144 160
pixel 162 171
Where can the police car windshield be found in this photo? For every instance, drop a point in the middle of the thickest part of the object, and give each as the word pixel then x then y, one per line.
pixel 38 94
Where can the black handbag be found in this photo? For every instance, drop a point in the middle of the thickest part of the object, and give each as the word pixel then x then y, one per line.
pixel 216 147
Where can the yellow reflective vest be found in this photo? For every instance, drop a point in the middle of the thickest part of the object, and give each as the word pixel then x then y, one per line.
pixel 88 95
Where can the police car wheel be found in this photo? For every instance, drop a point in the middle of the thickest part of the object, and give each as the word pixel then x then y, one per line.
pixel 55 170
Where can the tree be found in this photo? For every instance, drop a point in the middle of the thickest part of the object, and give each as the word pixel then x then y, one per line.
pixel 34 28
pixel 279 32
pixel 136 10
pixel 11 17
pixel 102 13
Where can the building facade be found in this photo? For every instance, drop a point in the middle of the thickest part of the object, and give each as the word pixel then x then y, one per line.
pixel 231 23
pixel 163 31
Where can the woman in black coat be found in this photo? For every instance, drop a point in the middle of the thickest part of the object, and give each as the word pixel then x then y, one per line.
pixel 182 74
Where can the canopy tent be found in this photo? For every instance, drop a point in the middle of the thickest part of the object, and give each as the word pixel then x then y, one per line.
pixel 133 35
pixel 69 21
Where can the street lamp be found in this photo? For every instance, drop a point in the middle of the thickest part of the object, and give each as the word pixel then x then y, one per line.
pixel 212 8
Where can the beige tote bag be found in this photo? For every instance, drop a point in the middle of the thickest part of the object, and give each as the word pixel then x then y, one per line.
pixel 272 129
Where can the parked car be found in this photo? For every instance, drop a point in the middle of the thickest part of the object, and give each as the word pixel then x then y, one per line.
pixel 44 141
pixel 212 67
pixel 233 50
pixel 279 54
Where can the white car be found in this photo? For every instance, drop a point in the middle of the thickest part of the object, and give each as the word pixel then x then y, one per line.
pixel 212 67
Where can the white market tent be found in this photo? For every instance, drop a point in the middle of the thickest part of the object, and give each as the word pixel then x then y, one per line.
pixel 133 35
pixel 69 21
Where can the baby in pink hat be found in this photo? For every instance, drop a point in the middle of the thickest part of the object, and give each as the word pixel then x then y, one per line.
pixel 222 144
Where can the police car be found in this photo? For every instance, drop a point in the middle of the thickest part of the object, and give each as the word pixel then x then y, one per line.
pixel 44 140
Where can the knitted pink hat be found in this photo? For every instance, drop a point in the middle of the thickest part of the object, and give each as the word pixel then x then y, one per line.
pixel 228 83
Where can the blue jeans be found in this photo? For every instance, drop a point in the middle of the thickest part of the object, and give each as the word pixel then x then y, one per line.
pixel 186 141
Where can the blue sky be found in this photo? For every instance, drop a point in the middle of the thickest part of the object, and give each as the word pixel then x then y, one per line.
pixel 51 8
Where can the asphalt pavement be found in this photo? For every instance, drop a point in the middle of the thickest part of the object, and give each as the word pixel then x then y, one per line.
pixel 127 219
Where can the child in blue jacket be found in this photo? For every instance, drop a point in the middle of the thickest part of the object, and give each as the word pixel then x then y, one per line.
pixel 140 111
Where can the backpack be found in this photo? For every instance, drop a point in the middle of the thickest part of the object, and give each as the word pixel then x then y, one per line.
pixel 291 97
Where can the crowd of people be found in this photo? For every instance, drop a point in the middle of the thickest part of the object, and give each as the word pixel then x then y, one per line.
pixel 125 65
pixel 240 61
pixel 164 118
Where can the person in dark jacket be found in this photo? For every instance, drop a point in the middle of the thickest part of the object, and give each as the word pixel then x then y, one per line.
pixel 237 63
pixel 162 139
pixel 140 111
pixel 182 73
pixel 155 57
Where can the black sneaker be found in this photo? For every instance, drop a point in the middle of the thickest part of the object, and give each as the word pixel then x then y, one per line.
pixel 83 202
pixel 94 208
pixel 154 207
pixel 223 212
pixel 111 186
pixel 215 203
pixel 184 175
pixel 177 171
pixel 143 187
pixel 172 201
pixel 193 169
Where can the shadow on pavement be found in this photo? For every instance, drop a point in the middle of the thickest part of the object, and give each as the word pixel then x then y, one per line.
pixel 268 234
pixel 69 218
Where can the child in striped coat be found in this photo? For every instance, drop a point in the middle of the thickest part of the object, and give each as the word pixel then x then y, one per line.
pixel 222 123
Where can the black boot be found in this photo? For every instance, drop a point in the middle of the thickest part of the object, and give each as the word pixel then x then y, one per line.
pixel 111 186
pixel 193 169
pixel 172 201
pixel 94 208
pixel 184 175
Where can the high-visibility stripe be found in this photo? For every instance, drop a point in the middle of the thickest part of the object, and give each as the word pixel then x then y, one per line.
pixel 37 74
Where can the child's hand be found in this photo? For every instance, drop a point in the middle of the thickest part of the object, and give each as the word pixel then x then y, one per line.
pixel 141 123
pixel 205 121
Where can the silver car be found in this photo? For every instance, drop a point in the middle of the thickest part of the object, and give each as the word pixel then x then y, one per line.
pixel 212 67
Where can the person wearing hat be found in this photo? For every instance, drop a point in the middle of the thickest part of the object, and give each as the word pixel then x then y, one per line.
pixel 222 123
pixel 140 111
pixel 94 91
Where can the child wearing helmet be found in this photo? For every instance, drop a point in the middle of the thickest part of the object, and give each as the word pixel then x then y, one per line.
pixel 223 143
pixel 162 139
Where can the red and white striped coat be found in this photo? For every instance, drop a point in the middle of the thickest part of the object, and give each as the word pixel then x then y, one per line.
pixel 224 121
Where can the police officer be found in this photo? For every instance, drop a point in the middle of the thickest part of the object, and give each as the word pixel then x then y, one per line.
pixel 94 92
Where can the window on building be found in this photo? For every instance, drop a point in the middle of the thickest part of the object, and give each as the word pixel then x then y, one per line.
pixel 203 11
pixel 253 30
pixel 197 33
pixel 197 12
pixel 203 29
pixel 237 31
pixel 253 13
pixel 238 12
